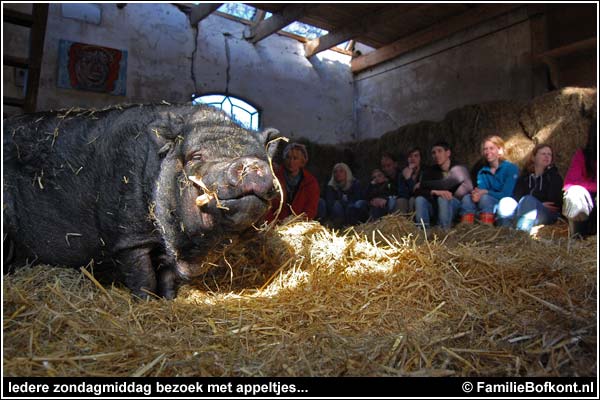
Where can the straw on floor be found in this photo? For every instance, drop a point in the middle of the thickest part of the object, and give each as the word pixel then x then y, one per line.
pixel 380 299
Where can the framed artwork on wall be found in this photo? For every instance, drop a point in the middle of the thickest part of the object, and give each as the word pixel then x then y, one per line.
pixel 92 68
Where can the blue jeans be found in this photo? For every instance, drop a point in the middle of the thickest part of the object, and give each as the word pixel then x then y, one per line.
pixel 378 212
pixel 528 212
pixel 486 204
pixel 357 212
pixel 322 210
pixel 342 213
pixel 446 211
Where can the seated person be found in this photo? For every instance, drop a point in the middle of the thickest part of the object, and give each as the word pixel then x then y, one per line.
pixel 442 188
pixel 580 190
pixel 409 181
pixel 537 199
pixel 380 195
pixel 300 188
pixel 389 166
pixel 495 180
pixel 344 202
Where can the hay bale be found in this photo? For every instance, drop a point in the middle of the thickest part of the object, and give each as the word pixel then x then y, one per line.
pixel 303 300
pixel 560 118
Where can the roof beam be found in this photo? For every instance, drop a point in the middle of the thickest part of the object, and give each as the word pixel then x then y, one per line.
pixel 348 31
pixel 570 48
pixel 330 40
pixel 259 15
pixel 17 17
pixel 431 34
pixel 287 15
pixel 201 11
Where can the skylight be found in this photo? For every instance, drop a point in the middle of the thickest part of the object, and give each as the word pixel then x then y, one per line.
pixel 247 12
pixel 238 10
pixel 302 29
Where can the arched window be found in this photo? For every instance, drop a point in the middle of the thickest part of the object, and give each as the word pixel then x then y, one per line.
pixel 244 113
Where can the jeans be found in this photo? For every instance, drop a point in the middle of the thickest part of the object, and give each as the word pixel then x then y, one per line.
pixel 528 212
pixel 357 212
pixel 321 210
pixel 405 206
pixel 344 213
pixel 486 204
pixel 446 211
pixel 378 212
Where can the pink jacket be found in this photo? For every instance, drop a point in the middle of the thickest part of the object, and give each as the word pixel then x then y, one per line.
pixel 576 174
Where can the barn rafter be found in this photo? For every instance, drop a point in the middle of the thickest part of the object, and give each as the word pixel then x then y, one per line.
pixel 389 29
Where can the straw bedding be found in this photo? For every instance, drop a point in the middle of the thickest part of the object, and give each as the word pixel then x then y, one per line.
pixel 380 299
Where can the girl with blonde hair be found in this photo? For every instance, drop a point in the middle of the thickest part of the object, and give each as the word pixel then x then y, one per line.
pixel 344 202
pixel 495 180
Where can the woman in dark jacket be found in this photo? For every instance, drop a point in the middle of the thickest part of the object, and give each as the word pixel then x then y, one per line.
pixel 537 197
pixel 344 202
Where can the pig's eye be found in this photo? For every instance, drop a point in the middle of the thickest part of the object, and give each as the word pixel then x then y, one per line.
pixel 196 157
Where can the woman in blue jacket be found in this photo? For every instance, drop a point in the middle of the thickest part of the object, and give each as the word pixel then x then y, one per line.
pixel 495 180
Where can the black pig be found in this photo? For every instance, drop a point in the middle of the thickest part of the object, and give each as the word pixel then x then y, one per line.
pixel 150 187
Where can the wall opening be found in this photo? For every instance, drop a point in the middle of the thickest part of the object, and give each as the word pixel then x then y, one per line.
pixel 241 111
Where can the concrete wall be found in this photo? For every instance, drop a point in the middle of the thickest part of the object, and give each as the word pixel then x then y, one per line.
pixel 300 97
pixel 14 43
pixel 169 60
pixel 319 98
pixel 485 63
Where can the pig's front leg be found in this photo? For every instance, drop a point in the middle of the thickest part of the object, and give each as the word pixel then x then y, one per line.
pixel 167 282
pixel 138 273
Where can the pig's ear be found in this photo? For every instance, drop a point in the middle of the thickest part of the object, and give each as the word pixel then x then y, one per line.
pixel 270 139
pixel 163 151
pixel 167 126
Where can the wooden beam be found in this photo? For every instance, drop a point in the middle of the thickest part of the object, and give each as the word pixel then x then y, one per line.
pixel 330 40
pixel 350 45
pixel 16 17
pixel 549 57
pixel 553 71
pixel 36 51
pixel 259 15
pixel 349 31
pixel 570 48
pixel 288 14
pixel 201 11
pixel 538 28
pixel 13 101
pixel 18 62
pixel 431 34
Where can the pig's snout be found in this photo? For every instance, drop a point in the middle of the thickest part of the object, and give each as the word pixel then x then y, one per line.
pixel 251 175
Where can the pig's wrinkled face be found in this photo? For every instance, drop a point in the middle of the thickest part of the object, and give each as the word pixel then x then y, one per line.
pixel 227 180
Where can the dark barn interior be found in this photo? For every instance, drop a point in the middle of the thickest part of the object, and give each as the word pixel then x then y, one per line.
pixel 350 81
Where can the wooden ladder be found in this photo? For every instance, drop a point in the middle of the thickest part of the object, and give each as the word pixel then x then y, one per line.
pixel 36 22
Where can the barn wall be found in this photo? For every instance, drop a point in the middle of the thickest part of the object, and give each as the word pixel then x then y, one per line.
pixel 169 60
pixel 14 43
pixel 487 62
pixel 318 99
pixel 301 97
pixel 571 23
